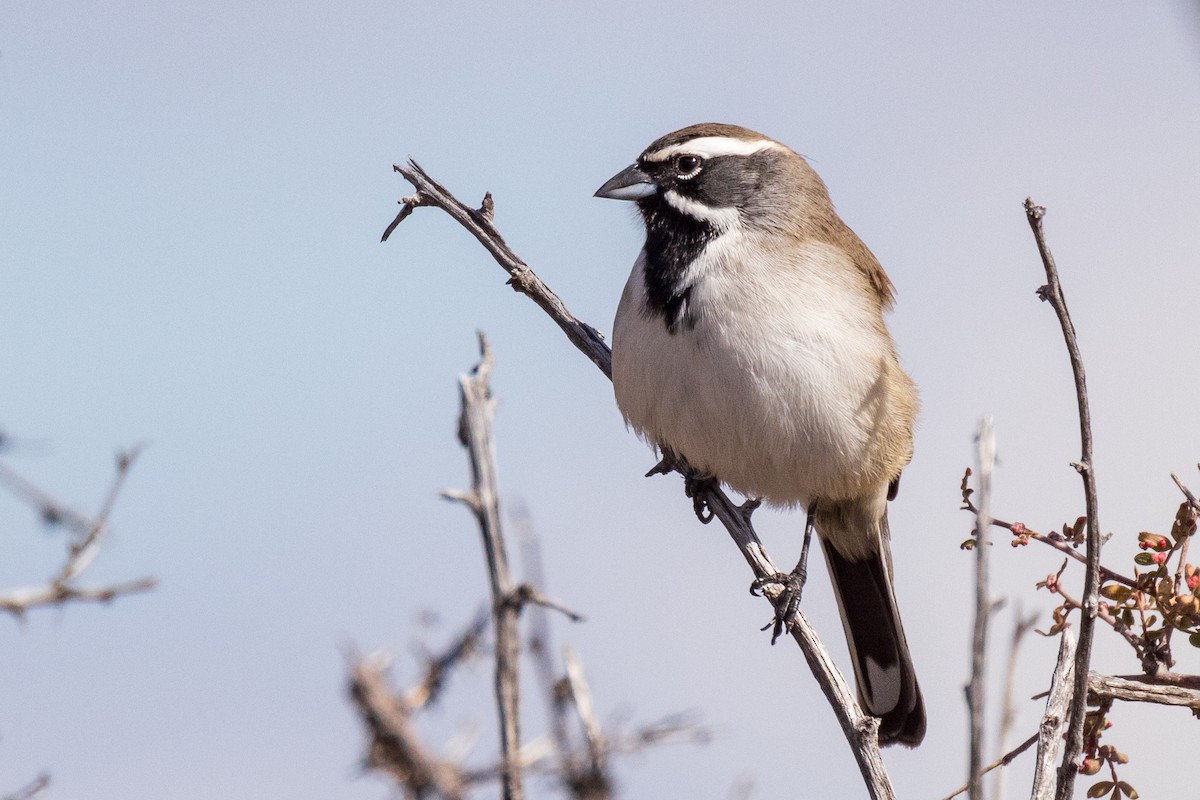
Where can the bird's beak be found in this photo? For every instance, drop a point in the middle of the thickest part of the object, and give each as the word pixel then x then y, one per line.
pixel 628 184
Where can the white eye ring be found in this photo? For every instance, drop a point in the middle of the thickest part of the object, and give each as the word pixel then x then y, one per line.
pixel 688 165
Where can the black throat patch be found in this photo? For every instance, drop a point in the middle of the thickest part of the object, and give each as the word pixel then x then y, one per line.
pixel 673 241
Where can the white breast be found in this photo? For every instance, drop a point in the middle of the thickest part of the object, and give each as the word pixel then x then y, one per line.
pixel 777 388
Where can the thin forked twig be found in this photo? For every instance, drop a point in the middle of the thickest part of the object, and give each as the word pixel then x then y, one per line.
pixel 1053 540
pixel 81 552
pixel 1052 293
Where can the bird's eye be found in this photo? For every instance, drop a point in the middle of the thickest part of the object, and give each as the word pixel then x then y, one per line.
pixel 687 166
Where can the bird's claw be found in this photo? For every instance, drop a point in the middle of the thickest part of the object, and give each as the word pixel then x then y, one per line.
pixel 787 602
pixel 697 486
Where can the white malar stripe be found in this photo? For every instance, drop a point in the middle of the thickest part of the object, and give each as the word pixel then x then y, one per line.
pixel 713 146
pixel 720 218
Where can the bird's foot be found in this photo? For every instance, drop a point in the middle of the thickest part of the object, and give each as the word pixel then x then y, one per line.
pixel 787 602
pixel 696 485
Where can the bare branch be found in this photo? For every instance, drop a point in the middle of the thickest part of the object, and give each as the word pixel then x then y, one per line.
pixel 592 782
pixel 1191 498
pixel 526 594
pixel 534 756
pixel 1194 505
pixel 983 610
pixel 1052 293
pixel 582 695
pixel 20 601
pixel 51 511
pixel 439 667
pixel 675 728
pixel 1003 761
pixel 395 747
pixel 1021 531
pixel 61 589
pixel 1141 690
pixel 475 433
pixel 1023 625
pixel 521 277
pixel 541 648
pixel 31 789
pixel 861 731
pixel 1062 689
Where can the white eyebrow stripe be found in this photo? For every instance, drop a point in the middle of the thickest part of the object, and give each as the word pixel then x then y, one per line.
pixel 713 146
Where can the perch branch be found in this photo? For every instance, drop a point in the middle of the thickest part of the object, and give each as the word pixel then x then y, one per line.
pixel 479 223
pixel 861 731
pixel 1052 293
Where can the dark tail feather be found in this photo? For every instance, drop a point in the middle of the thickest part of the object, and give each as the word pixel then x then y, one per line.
pixel 887 684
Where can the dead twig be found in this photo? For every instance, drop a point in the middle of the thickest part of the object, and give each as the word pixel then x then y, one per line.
pixel 81 551
pixel 1021 533
pixel 475 434
pixel 1023 625
pixel 1052 293
pixel 986 447
pixel 1003 761
pixel 1138 689
pixel 522 279
pixel 438 667
pixel 592 781
pixel 32 789
pixel 1058 705
pixel 395 748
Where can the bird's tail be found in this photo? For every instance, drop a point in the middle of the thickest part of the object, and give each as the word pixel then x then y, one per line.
pixel 883 670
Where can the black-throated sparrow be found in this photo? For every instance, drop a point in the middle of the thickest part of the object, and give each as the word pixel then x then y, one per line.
pixel 750 341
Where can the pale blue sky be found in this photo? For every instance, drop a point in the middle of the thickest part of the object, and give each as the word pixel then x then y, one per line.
pixel 190 204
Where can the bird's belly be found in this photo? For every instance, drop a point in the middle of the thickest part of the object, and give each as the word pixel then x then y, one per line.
pixel 783 412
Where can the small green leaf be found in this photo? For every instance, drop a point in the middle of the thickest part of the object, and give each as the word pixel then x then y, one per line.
pixel 1100 789
pixel 1128 790
pixel 1145 559
pixel 1194 639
